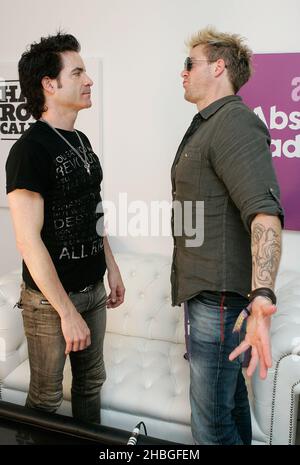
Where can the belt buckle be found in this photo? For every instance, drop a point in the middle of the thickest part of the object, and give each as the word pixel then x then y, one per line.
pixel 87 288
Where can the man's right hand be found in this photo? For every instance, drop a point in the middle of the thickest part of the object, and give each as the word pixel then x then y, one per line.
pixel 76 332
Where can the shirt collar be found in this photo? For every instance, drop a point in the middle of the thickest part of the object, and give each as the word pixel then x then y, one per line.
pixel 207 112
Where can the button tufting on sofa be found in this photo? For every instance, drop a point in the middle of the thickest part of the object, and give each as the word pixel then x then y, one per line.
pixel 147 375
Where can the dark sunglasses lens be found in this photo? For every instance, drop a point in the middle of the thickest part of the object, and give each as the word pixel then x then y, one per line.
pixel 188 64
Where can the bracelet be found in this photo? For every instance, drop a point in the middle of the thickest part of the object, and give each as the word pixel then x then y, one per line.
pixel 263 292
pixel 241 318
pixel 260 291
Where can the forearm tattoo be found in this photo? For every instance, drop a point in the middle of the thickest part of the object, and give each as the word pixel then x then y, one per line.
pixel 266 251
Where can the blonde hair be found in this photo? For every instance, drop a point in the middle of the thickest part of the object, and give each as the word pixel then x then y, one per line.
pixel 229 47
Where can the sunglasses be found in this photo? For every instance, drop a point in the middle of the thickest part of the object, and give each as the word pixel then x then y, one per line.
pixel 189 62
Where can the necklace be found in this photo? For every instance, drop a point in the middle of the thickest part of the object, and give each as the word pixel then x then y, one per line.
pixel 84 159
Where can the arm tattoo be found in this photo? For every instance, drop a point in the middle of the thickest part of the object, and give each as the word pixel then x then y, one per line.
pixel 266 250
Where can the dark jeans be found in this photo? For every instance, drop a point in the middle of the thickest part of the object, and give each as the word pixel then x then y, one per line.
pixel 218 394
pixel 46 351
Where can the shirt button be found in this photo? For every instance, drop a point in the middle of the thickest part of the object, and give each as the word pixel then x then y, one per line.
pixel 186 155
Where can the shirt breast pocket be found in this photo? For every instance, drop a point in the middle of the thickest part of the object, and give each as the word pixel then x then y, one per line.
pixel 187 175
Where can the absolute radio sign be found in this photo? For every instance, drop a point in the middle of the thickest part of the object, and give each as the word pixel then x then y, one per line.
pixel 273 93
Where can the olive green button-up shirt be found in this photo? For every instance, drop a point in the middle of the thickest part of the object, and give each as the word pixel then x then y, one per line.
pixel 222 177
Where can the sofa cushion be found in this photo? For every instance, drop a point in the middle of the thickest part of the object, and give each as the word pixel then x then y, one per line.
pixel 11 325
pixel 147 311
pixel 146 377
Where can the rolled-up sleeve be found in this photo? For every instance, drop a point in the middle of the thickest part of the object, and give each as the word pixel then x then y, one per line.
pixel 242 159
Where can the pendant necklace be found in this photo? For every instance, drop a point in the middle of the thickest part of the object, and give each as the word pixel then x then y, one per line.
pixel 84 159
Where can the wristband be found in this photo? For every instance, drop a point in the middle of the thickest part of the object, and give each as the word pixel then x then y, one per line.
pixel 263 292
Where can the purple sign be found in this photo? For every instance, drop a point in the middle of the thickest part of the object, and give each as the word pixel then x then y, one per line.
pixel 273 93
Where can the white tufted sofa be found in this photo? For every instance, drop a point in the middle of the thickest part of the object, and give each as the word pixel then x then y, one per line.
pixel 147 375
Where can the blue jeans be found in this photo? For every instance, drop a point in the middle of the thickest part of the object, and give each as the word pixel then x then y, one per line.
pixel 218 393
pixel 46 352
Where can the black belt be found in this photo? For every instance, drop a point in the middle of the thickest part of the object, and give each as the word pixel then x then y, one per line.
pixel 87 288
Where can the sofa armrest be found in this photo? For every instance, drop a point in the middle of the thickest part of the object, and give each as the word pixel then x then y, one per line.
pixel 13 347
pixel 275 399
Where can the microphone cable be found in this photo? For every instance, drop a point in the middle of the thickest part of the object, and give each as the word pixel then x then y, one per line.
pixel 132 441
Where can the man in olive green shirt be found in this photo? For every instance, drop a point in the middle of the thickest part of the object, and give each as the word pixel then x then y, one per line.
pixel 224 162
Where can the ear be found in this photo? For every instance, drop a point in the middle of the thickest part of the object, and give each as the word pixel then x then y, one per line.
pixel 48 85
pixel 219 67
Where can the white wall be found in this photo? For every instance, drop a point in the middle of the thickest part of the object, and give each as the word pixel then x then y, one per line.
pixel 141 43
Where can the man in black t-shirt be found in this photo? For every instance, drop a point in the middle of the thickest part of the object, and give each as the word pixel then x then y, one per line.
pixel 53 187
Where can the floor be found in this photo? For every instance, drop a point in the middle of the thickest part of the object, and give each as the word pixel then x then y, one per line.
pixel 11 433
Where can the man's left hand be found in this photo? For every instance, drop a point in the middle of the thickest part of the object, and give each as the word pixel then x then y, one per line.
pixel 257 337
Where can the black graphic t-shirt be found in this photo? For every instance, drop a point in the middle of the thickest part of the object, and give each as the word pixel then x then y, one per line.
pixel 40 161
